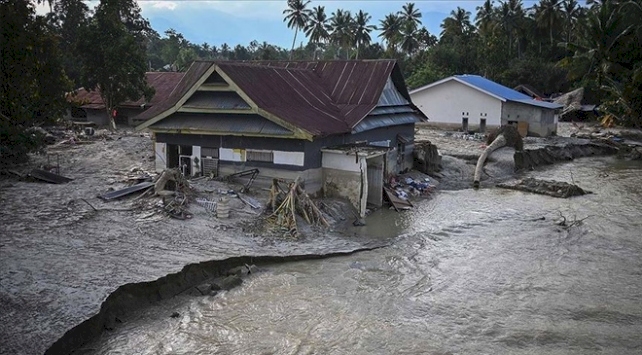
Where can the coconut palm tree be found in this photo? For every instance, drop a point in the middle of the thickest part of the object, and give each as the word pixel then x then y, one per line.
pixel 342 30
pixel 390 28
pixel 362 30
pixel 457 25
pixel 547 16
pixel 317 28
pixel 510 16
pixel 571 10
pixel 410 15
pixel 485 17
pixel 408 38
pixel 297 15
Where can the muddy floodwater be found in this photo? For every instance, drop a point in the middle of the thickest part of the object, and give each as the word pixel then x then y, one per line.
pixel 472 272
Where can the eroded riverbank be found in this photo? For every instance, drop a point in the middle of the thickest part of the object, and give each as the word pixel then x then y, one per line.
pixel 60 260
pixel 476 272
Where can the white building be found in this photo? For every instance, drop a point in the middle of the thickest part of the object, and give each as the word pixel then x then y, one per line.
pixel 472 102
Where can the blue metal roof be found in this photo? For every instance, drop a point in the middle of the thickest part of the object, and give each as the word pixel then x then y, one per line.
pixel 503 92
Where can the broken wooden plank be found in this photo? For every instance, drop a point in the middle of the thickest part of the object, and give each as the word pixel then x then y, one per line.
pixel 397 203
pixel 51 178
pixel 126 191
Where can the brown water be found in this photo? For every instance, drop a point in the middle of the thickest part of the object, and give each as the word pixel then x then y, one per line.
pixel 474 272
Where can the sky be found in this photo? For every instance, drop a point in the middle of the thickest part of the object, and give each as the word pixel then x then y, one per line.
pixel 242 21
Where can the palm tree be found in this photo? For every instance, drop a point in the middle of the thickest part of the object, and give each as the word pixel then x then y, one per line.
pixel 409 41
pixel 410 15
pixel 297 16
pixel 342 26
pixel 317 27
pixel 485 17
pixel 571 10
pixel 390 28
pixel 511 14
pixel 547 16
pixel 362 30
pixel 457 25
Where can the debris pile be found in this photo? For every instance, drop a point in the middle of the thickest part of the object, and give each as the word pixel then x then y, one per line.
pixel 286 205
pixel 545 187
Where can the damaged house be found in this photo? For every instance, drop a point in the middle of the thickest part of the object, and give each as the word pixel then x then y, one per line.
pixel 342 126
pixel 89 106
pixel 474 103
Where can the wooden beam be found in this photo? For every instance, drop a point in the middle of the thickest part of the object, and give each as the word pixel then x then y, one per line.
pixel 206 87
pixel 216 110
pixel 219 133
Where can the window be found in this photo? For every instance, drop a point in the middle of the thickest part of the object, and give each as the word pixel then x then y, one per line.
pixel 209 152
pixel 259 155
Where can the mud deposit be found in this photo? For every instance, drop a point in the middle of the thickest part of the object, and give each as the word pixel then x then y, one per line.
pixel 60 259
pixel 491 271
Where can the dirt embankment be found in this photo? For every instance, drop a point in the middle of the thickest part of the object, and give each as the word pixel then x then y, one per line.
pixel 61 258
pixel 460 152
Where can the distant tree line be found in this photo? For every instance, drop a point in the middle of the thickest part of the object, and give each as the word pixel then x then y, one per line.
pixel 555 46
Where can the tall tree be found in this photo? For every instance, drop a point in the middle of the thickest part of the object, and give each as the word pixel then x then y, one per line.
pixel 547 16
pixel 390 28
pixel 485 18
pixel 362 30
pixel 114 58
pixel 32 80
pixel 297 15
pixel 342 26
pixel 410 15
pixel 409 43
pixel 69 19
pixel 317 28
pixel 571 10
pixel 457 25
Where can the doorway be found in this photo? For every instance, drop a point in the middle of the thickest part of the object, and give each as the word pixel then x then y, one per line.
pixel 374 175
pixel 464 124
pixel 482 125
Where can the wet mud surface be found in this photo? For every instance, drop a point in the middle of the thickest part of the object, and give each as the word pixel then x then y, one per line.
pixel 60 259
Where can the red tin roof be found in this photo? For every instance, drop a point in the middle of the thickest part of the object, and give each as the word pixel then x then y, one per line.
pixel 162 82
pixel 321 97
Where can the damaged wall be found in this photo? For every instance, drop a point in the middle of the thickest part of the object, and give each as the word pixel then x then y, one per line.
pixel 342 177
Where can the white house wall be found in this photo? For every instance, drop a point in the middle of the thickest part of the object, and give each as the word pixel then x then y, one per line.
pixel 160 150
pixel 289 158
pixel 340 161
pixel 445 103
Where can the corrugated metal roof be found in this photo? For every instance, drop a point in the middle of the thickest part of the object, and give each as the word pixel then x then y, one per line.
pixel 162 82
pixel 503 92
pixel 226 123
pixel 387 110
pixel 195 72
pixel 320 97
pixel 216 100
pixel 378 121
pixel 391 96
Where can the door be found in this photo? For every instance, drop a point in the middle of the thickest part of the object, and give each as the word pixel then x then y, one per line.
pixel 482 125
pixel 186 165
pixel 172 156
pixel 464 124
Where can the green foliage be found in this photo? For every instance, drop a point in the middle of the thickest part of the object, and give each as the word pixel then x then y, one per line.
pixel 424 75
pixel 114 57
pixel 32 81
pixel 537 73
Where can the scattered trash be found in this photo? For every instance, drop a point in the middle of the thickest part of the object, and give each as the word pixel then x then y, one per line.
pixel 51 178
pixel 209 206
